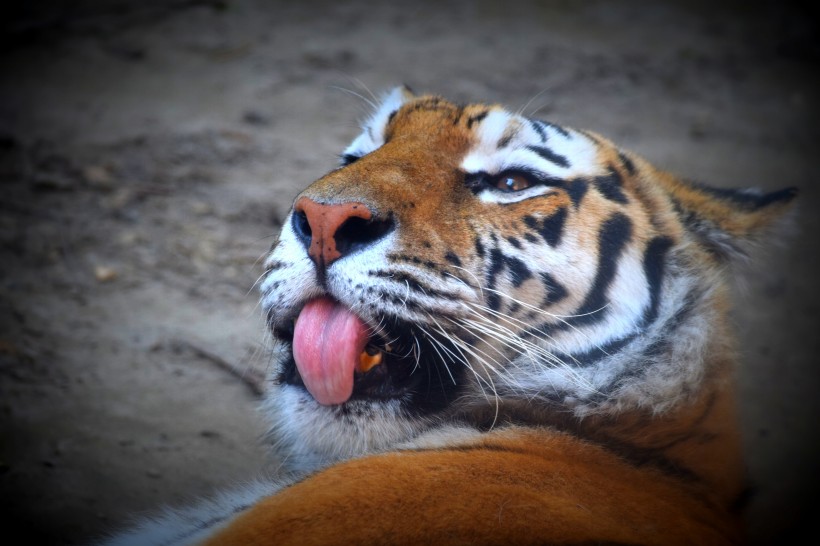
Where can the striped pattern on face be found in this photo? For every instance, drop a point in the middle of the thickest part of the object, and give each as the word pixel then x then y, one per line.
pixel 515 259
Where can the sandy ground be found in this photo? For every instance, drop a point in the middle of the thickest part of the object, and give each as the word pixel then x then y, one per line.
pixel 149 151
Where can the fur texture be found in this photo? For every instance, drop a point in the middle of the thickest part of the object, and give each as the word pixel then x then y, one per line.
pixel 551 312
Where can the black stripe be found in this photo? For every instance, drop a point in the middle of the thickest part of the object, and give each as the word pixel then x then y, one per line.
pixel 500 448
pixel 407 303
pixel 627 163
pixel 514 242
pixel 550 156
pixel 479 248
pixel 590 357
pixel 610 186
pixel 692 433
pixel 272 288
pixel 555 290
pixel 413 283
pixel 639 457
pixel 576 190
pixel 708 234
pixel 656 455
pixel 551 228
pixel 654 350
pixel 459 113
pixel 496 267
pixel 415 260
pixel 401 302
pixel 476 118
pixel 632 454
pixel 555 127
pixel 661 346
pixel 432 103
pixel 612 239
pixel 747 199
pixel 347 159
pixel 654 262
pixel 452 258
pixel 531 222
pixel 536 125
pixel 504 141
pixel 493 301
pixel 518 271
pixel 613 236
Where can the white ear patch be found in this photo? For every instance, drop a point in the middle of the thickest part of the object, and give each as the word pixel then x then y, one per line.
pixel 372 135
pixel 389 104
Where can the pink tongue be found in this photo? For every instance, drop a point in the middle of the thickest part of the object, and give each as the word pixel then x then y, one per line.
pixel 327 342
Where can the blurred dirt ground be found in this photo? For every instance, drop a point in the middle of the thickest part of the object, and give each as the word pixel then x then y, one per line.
pixel 149 151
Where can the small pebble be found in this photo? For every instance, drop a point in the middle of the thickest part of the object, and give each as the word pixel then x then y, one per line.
pixel 104 273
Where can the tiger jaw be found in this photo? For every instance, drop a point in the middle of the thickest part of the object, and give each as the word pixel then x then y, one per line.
pixel 392 362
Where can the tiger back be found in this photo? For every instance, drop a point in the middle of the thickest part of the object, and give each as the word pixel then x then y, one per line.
pixel 497 330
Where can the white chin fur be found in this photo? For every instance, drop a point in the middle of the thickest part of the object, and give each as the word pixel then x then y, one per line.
pixel 308 436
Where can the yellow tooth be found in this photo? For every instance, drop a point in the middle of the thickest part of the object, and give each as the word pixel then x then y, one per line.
pixel 367 361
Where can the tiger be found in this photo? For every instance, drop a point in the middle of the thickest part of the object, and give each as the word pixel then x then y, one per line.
pixel 494 329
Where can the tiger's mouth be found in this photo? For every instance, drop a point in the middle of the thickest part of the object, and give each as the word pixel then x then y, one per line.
pixel 338 358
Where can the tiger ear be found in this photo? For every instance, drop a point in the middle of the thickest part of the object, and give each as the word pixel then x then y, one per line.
pixel 386 107
pixel 392 101
pixel 730 222
pixel 404 91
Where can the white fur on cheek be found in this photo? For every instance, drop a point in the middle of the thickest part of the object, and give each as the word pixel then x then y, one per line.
pixel 309 436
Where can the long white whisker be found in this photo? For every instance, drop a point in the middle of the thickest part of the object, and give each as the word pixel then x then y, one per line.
pixel 512 341
pixel 508 337
pixel 488 380
pixel 461 344
pixel 255 283
pixel 473 275
pixel 371 103
pixel 560 318
pixel 524 108
pixel 436 344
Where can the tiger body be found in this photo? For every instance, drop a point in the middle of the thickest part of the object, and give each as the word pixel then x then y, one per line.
pixel 493 329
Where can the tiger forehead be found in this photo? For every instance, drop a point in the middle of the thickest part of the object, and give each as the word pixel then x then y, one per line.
pixel 435 115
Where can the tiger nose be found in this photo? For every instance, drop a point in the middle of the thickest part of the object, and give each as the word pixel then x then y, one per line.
pixel 332 231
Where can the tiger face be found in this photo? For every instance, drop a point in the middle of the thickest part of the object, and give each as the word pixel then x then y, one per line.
pixel 465 262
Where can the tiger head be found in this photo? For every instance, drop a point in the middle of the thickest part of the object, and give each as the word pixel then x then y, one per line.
pixel 467 265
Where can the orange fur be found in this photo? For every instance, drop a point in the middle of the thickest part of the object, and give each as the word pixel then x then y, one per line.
pixel 635 476
pixel 654 459
pixel 520 486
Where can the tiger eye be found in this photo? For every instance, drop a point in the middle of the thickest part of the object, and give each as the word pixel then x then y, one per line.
pixel 512 182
